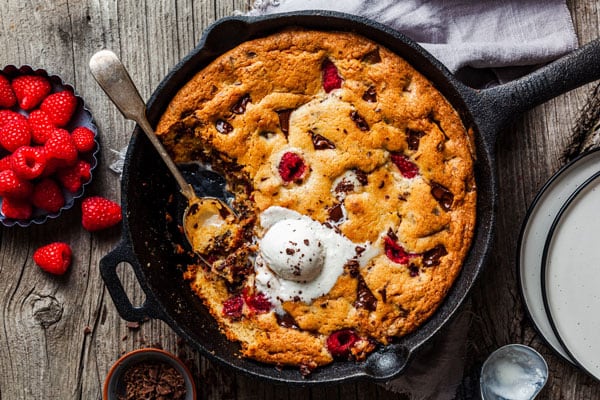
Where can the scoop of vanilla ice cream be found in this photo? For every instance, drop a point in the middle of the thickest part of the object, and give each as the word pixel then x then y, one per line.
pixel 292 250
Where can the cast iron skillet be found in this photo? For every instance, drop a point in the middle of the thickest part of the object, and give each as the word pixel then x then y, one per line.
pixel 147 187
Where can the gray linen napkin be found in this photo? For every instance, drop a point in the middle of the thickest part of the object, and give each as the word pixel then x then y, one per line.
pixel 483 42
pixel 464 33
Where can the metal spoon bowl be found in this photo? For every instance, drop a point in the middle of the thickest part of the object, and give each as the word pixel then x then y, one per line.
pixel 203 215
pixel 514 371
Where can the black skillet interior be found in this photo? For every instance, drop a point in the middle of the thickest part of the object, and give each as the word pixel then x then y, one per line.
pixel 148 191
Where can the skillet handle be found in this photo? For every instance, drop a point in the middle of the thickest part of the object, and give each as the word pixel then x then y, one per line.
pixel 496 107
pixel 108 270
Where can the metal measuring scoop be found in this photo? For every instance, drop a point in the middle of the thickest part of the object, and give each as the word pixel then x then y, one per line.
pixel 515 372
pixel 204 217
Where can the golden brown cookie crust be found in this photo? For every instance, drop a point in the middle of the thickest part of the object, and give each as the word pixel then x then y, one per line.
pixel 233 112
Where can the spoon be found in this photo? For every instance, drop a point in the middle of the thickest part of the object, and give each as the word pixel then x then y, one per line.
pixel 515 372
pixel 204 217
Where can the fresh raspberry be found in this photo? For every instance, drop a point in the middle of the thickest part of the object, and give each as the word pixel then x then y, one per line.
pixel 60 107
pixel 339 343
pixel 257 302
pixel 407 168
pixel 48 195
pixel 83 139
pixel 41 126
pixel 7 96
pixel 7 116
pixel 13 186
pixel 72 178
pixel 395 252
pixel 5 163
pixel 15 134
pixel 99 213
pixel 331 78
pixel 60 146
pixel 291 167
pixel 16 208
pixel 30 90
pixel 54 258
pixel 28 162
pixel 233 306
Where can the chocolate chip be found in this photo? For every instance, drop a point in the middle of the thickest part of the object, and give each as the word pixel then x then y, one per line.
pixel 432 257
pixel 336 213
pixel 442 195
pixel 413 270
pixel 372 57
pixel 287 321
pixel 240 106
pixel 364 297
pixel 370 95
pixel 359 121
pixel 223 126
pixel 284 120
pixel 413 139
pixel 321 142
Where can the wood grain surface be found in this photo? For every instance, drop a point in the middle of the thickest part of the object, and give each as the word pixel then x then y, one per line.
pixel 60 336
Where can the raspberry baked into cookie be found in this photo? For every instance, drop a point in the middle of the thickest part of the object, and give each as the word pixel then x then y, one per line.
pixel 354 193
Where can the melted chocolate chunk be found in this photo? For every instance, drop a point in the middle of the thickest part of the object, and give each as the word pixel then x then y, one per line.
pixel 359 121
pixel 442 195
pixel 383 293
pixel 223 126
pixel 372 57
pixel 321 142
pixel 344 186
pixel 413 270
pixel 370 95
pixel 287 321
pixel 413 139
pixel 361 176
pixel 392 235
pixel 240 106
pixel 336 213
pixel 364 297
pixel 432 257
pixel 284 120
pixel 352 266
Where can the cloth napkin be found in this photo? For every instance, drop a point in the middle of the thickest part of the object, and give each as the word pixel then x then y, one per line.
pixel 464 34
pixel 484 43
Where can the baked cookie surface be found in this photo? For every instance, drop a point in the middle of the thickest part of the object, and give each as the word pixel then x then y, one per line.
pixel 326 128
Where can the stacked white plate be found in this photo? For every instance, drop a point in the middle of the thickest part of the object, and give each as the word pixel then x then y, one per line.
pixel 559 262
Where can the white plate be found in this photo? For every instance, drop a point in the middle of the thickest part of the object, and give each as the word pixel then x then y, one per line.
pixel 533 235
pixel 571 275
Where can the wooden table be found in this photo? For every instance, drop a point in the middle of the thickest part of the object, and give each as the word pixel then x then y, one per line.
pixel 60 336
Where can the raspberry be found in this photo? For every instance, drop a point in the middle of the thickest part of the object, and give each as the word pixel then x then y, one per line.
pixel 99 213
pixel 7 116
pixel 60 107
pixel 13 186
pixel 257 302
pixel 30 90
pixel 28 162
pixel 291 167
pixel 54 258
pixel 5 163
pixel 233 306
pixel 60 146
pixel 407 168
pixel 331 78
pixel 83 139
pixel 16 208
pixel 72 178
pixel 340 343
pixel 7 96
pixel 41 126
pixel 15 134
pixel 48 196
pixel 395 252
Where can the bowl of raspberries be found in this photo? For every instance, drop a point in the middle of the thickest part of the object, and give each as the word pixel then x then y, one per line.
pixel 48 146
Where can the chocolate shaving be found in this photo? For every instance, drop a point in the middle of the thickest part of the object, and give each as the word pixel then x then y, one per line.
pixel 153 380
pixel 359 121
pixel 240 106
pixel 442 195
